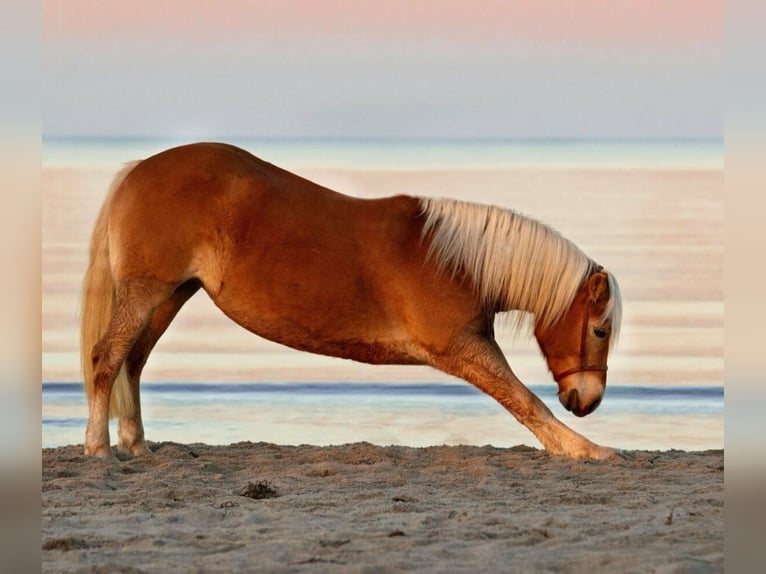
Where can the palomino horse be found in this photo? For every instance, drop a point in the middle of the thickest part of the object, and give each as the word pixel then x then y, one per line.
pixel 398 280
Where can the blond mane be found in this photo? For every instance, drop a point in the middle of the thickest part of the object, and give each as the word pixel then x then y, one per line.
pixel 515 262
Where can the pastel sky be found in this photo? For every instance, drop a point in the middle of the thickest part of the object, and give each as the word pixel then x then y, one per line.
pixel 439 68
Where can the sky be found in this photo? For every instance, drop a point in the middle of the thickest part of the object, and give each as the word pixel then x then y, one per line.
pixel 394 69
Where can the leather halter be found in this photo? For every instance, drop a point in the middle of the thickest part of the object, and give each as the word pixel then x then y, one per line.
pixel 583 366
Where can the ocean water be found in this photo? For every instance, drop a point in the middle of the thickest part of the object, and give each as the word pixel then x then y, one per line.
pixel 416 414
pixel 651 211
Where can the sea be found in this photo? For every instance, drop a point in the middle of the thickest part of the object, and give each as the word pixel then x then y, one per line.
pixel 652 211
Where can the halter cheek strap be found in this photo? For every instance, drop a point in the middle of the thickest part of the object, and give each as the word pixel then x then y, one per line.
pixel 584 366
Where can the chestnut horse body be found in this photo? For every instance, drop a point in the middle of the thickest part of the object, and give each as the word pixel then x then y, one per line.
pixel 400 280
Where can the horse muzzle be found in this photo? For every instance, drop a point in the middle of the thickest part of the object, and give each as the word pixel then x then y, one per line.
pixel 581 393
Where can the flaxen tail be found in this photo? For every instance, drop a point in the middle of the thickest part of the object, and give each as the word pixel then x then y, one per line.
pixel 96 305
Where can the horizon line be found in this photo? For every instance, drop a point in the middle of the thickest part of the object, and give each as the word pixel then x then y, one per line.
pixel 386 139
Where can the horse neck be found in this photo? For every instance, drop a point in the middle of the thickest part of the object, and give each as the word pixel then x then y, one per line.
pixel 543 282
pixel 515 262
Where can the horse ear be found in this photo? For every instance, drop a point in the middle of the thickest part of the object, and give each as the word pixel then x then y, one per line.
pixel 598 288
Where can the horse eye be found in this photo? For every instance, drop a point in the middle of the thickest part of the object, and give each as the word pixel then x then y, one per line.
pixel 600 333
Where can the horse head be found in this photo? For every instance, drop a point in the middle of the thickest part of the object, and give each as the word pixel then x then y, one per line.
pixel 577 346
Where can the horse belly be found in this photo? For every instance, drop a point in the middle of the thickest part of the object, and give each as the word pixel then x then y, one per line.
pixel 315 297
pixel 354 331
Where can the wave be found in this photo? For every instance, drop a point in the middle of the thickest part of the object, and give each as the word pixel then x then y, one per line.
pixel 404 389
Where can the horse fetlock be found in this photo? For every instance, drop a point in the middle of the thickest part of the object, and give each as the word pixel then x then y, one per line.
pixel 131 437
pixel 97 438
pixel 591 451
pixel 100 450
pixel 137 448
pixel 560 440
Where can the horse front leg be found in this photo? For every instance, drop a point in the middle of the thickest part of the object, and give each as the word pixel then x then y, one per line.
pixel 481 363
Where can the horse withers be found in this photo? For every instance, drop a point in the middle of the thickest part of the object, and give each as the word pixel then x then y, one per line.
pixel 395 280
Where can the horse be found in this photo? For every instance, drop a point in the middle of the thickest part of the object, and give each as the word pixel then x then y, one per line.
pixel 391 280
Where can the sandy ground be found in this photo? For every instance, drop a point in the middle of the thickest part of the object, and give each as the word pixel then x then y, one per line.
pixel 259 507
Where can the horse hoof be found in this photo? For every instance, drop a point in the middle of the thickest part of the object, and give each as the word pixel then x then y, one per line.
pixel 604 453
pixel 101 451
pixel 138 449
pixel 614 454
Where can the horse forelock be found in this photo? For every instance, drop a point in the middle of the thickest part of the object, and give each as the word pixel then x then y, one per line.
pixel 613 311
pixel 514 261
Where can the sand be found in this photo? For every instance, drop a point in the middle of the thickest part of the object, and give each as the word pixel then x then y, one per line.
pixel 259 507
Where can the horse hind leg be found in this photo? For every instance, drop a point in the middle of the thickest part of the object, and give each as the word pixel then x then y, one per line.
pixel 130 429
pixel 135 300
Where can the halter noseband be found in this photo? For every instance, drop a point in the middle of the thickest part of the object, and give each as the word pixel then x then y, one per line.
pixel 584 366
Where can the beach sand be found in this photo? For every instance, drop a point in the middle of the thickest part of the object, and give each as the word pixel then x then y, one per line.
pixel 259 507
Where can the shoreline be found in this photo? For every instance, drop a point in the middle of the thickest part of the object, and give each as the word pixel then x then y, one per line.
pixel 364 508
pixel 407 414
